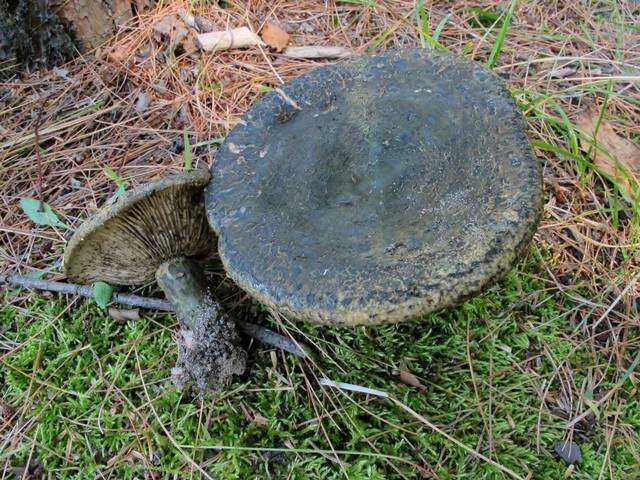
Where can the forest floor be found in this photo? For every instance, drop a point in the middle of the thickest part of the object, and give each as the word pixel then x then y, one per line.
pixel 484 390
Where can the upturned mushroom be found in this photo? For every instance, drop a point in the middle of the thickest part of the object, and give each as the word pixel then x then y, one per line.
pixel 376 190
pixel 160 231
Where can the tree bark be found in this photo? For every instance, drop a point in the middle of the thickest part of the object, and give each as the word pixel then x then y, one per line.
pixel 45 33
pixel 32 35
pixel 96 21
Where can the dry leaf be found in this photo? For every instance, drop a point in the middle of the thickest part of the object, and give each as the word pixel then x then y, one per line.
pixel 142 102
pixel 260 420
pixel 613 155
pixel 6 413
pixel 407 377
pixel 124 315
pixel 118 54
pixel 175 32
pixel 190 45
pixel 223 40
pixel 562 72
pixel 568 451
pixel 275 37
pixel 166 25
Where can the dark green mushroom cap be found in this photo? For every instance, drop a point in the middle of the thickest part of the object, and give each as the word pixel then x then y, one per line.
pixel 125 242
pixel 376 190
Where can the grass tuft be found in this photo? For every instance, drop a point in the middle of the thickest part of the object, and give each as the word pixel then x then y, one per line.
pixel 497 46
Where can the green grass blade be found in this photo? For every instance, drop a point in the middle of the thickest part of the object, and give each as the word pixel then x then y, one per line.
pixel 186 153
pixel 627 373
pixel 379 40
pixel 423 22
pixel 440 27
pixel 204 143
pixel 119 181
pixel 497 46
pixel 605 101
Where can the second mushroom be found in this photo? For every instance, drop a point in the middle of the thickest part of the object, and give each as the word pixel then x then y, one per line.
pixel 160 231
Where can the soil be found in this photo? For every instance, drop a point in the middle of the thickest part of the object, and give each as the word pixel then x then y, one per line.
pixel 211 352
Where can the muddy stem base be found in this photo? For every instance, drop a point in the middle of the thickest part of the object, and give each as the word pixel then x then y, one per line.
pixel 209 354
pixel 209 346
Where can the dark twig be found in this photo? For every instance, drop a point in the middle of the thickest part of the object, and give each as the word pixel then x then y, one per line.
pixel 85 291
pixel 274 339
pixel 261 334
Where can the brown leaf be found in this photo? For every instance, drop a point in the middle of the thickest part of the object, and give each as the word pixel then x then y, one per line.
pixel 118 54
pixel 275 37
pixel 190 45
pixel 166 25
pixel 407 377
pixel 6 414
pixel 614 156
pixel 124 315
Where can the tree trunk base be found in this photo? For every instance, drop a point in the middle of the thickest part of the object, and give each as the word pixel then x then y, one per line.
pixel 32 35
pixel 38 34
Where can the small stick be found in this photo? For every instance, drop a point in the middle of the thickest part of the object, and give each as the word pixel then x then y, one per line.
pixel 261 334
pixel 317 52
pixel 85 291
pixel 274 339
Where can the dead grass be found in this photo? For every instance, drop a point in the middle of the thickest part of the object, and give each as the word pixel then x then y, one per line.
pixel 560 58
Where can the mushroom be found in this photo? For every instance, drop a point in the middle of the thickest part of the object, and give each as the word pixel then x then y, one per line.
pixel 160 231
pixel 376 190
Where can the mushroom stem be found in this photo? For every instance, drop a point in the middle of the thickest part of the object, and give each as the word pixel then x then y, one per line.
pixel 185 287
pixel 209 347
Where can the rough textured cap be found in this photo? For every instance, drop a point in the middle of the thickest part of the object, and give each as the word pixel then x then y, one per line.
pixel 376 190
pixel 125 242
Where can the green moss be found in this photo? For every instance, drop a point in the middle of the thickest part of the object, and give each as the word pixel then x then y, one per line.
pixel 80 374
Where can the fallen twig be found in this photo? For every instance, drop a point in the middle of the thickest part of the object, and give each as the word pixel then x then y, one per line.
pixel 258 332
pixel 317 52
pixel 85 291
pixel 274 339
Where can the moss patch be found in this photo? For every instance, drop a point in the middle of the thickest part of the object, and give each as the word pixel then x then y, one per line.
pixel 96 395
